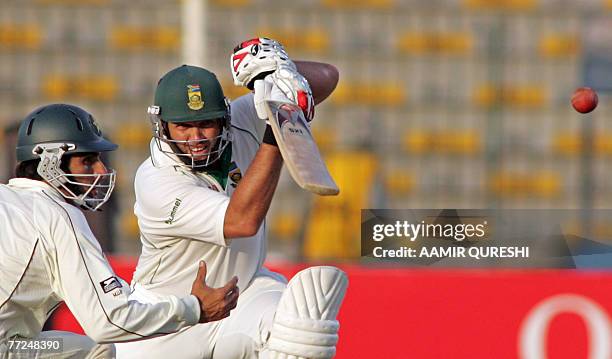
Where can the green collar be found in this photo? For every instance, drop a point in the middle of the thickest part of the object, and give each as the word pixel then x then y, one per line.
pixel 220 170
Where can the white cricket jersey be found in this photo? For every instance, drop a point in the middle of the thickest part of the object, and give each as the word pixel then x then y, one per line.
pixel 181 214
pixel 49 254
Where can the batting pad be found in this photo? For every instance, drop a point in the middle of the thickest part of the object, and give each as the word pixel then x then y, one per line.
pixel 305 325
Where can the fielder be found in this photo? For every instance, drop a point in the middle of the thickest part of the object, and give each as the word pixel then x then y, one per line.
pixel 50 255
pixel 203 195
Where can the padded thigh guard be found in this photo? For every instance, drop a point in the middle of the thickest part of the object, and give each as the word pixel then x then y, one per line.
pixel 305 325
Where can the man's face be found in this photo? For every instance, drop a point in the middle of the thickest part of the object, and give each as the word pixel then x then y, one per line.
pixel 88 169
pixel 86 164
pixel 202 137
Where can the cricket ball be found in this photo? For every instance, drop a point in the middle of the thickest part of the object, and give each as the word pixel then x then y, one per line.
pixel 584 100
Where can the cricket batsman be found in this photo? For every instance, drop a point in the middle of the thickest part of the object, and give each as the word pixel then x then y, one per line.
pixel 50 255
pixel 203 195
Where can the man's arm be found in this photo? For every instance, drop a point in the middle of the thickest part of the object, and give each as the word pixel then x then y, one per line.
pixel 251 200
pixel 321 77
pixel 99 300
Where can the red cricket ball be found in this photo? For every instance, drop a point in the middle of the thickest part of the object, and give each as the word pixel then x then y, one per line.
pixel 584 100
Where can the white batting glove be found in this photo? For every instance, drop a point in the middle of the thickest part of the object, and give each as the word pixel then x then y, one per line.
pixel 296 88
pixel 266 90
pixel 254 59
pixel 286 85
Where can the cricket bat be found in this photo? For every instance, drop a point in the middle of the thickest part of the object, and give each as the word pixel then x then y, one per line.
pixel 298 148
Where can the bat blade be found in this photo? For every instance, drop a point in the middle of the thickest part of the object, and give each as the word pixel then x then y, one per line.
pixel 299 149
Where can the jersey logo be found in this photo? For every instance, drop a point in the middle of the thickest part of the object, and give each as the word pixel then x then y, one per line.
pixel 195 97
pixel 177 203
pixel 110 283
pixel 234 174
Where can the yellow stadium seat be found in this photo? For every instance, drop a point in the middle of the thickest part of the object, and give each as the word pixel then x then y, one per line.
pixel 133 136
pixel 507 5
pixel 372 94
pixel 399 182
pixel 546 184
pixel 285 226
pixel 74 2
pixel 603 144
pixel 307 40
pixel 96 87
pixel 333 227
pixel 417 141
pixel 91 87
pixel 540 184
pixel 358 4
pixel 129 224
pixel 144 38
pixel 567 144
pixel 56 87
pixel 22 36
pixel 527 96
pixel 326 138
pixel 231 3
pixel 485 95
pixel 232 91
pixel 449 43
pixel 570 144
pixel 559 45
pixel 463 142
pixel 327 236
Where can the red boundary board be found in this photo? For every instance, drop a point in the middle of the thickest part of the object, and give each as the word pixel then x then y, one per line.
pixel 415 313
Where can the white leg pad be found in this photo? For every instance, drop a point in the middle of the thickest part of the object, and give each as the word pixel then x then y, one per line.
pixel 305 325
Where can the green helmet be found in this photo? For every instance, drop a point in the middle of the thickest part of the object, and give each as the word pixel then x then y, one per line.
pixel 186 94
pixel 52 131
pixel 189 93
pixel 60 123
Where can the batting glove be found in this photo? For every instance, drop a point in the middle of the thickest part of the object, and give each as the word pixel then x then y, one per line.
pixel 255 59
pixel 285 84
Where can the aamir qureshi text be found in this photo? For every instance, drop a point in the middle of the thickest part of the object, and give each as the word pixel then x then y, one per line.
pixel 453 252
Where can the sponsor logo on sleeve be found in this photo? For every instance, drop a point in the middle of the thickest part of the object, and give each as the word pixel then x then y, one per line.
pixel 177 203
pixel 109 284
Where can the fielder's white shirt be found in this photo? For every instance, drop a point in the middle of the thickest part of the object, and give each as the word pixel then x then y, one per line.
pixel 181 214
pixel 49 254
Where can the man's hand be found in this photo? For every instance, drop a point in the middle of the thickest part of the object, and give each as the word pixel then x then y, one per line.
pixel 285 84
pixel 215 303
pixel 261 64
